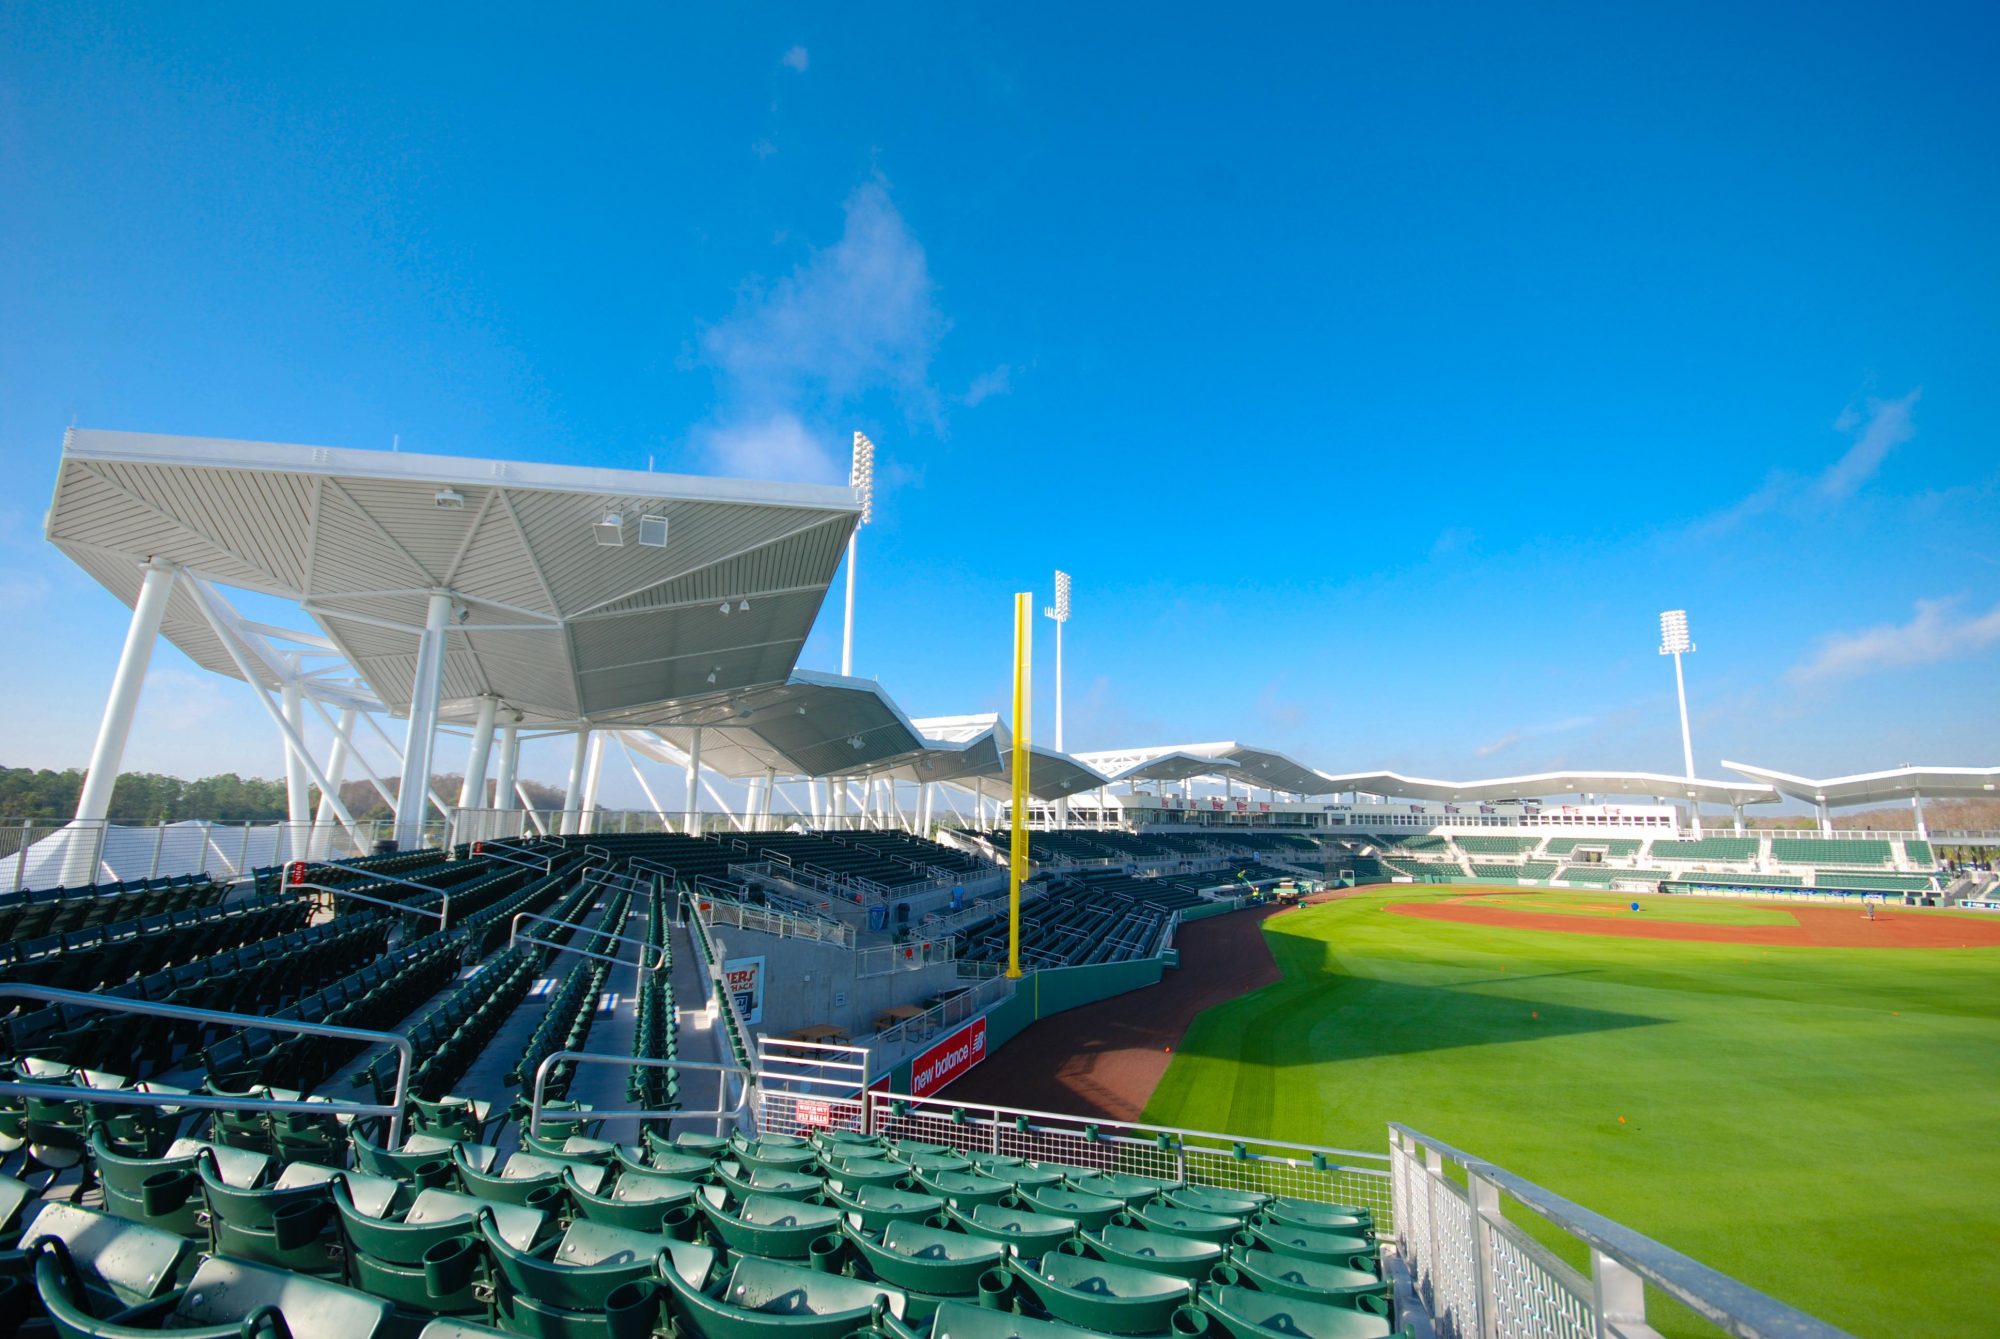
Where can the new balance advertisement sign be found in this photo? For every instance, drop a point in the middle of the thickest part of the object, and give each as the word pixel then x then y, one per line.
pixel 949 1059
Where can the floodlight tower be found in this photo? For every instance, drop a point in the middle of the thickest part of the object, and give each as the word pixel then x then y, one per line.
pixel 861 477
pixel 1059 611
pixel 1675 642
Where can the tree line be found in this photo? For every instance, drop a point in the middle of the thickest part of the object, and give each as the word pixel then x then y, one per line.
pixel 148 797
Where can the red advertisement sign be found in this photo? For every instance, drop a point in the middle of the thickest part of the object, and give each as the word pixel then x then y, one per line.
pixel 949 1059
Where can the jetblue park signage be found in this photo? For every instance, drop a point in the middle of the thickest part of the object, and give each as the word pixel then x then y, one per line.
pixel 949 1059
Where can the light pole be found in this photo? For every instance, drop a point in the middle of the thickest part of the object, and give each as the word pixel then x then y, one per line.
pixel 861 477
pixel 1675 642
pixel 1059 611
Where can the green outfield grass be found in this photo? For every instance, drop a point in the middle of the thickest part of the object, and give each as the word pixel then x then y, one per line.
pixel 1823 1124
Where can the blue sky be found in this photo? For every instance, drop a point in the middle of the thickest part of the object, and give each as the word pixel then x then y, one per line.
pixel 1380 373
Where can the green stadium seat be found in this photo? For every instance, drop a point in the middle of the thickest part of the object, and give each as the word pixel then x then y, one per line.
pixel 639 1203
pixel 1305 1243
pixel 1310 1280
pixel 1120 1186
pixel 921 1258
pixel 292 1227
pixel 1180 1222
pixel 964 1189
pixel 742 1181
pixel 1161 1252
pixel 113 1263
pixel 1250 1314
pixel 1208 1199
pixel 1109 1298
pixel 780 1229
pixel 875 1207
pixel 218 1303
pixel 1345 1218
pixel 1018 1172
pixel 766 1299
pixel 1090 1211
pixel 1031 1234
pixel 959 1320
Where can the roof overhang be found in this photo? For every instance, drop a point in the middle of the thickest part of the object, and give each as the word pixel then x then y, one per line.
pixel 557 625
pixel 1901 783
pixel 1656 785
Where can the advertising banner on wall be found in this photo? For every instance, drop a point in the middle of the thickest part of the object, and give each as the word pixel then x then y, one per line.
pixel 949 1059
pixel 743 978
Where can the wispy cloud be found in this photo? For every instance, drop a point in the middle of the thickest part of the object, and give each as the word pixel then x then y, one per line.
pixel 988 384
pixel 1875 428
pixel 796 59
pixel 1500 745
pixel 1938 631
pixel 854 319
pixel 1527 732
pixel 1879 427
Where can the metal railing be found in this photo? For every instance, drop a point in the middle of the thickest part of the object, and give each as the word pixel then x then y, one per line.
pixel 784 924
pixel 1199 1157
pixel 909 956
pixel 946 1015
pixel 724 1112
pixel 811 1085
pixel 514 936
pixel 1479 1274
pixel 51 854
pixel 393 1111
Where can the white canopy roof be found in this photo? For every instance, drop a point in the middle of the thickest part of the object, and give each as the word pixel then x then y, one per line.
pixel 554 621
pixel 1935 783
pixel 1653 784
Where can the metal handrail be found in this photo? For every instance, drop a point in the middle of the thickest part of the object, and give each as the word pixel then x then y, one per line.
pixel 514 936
pixel 509 855
pixel 406 1056
pixel 598 851
pixel 734 1110
pixel 1621 1257
pixel 442 915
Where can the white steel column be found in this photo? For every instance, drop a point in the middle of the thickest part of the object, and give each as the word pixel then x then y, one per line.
pixel 510 764
pixel 593 770
pixel 1825 819
pixel 1917 808
pixel 298 797
pixel 421 738
pixel 770 784
pixel 109 752
pixel 472 793
pixel 1739 820
pixel 336 775
pixel 573 796
pixel 691 820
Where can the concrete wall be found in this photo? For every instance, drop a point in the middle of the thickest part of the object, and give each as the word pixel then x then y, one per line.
pixel 1052 991
pixel 808 982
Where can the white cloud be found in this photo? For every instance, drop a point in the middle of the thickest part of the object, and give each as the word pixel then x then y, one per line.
pixel 763 148
pixel 796 59
pixel 988 384
pixel 1500 745
pixel 1878 428
pixel 854 319
pixel 776 447
pixel 1936 632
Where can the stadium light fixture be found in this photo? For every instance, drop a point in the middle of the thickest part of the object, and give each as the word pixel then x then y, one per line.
pixel 1675 642
pixel 861 478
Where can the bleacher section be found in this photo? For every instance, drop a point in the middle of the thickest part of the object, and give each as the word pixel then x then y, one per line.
pixel 1615 848
pixel 1605 875
pixel 1712 849
pixel 1874 883
pixel 1425 871
pixel 1830 851
pixel 1479 844
pixel 1422 841
pixel 1100 917
pixel 1920 854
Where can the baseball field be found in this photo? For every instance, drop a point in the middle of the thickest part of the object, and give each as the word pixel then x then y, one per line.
pixel 1801 1097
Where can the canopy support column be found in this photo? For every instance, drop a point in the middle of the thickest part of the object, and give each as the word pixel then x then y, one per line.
pixel 510 766
pixel 1825 819
pixel 421 739
pixel 573 795
pixel 336 774
pixel 472 792
pixel 1917 809
pixel 692 818
pixel 593 770
pixel 109 752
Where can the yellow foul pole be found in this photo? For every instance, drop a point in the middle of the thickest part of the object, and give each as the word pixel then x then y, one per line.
pixel 1017 841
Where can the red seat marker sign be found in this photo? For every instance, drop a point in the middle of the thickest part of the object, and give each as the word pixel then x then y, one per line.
pixel 949 1059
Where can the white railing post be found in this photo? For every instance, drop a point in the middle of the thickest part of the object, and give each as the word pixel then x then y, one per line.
pixel 1617 1295
pixel 1483 1198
